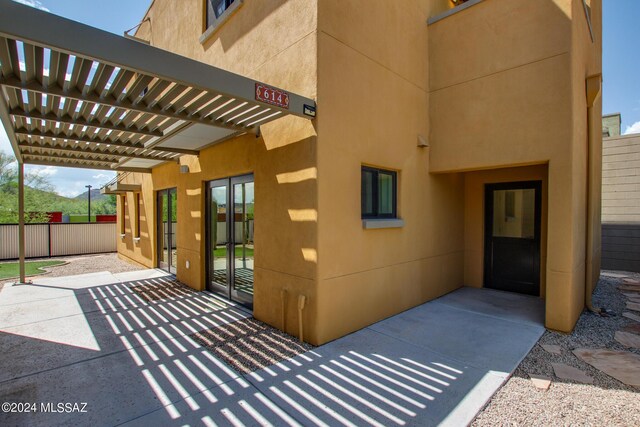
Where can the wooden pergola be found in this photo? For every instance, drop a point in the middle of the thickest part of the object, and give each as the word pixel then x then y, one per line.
pixel 76 96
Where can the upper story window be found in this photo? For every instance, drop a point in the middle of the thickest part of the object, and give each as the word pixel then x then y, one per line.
pixel 379 193
pixel 216 13
pixel 215 9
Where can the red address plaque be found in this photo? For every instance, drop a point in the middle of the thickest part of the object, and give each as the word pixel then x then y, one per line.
pixel 272 96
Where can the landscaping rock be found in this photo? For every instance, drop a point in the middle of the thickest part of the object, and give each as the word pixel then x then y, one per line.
pixel 633 328
pixel 633 306
pixel 630 281
pixel 621 365
pixel 552 348
pixel 628 339
pixel 540 381
pixel 631 316
pixel 567 372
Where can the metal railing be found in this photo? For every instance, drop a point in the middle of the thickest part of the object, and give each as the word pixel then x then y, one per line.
pixel 58 239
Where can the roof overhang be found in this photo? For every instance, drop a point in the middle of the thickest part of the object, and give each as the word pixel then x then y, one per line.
pixel 120 188
pixel 76 96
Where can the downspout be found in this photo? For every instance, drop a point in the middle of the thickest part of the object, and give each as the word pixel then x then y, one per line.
pixel 593 90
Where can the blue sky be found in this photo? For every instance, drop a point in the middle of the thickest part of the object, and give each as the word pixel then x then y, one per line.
pixel 621 61
pixel 621 66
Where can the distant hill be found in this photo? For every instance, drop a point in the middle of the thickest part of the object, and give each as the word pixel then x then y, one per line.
pixel 95 195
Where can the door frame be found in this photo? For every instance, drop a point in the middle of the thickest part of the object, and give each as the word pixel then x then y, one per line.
pixel 489 188
pixel 230 292
pixel 160 233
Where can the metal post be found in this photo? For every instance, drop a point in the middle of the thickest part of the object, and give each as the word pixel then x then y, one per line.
pixel 21 234
pixel 89 210
pixel 244 233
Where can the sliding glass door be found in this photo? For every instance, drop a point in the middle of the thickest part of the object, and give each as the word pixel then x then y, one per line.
pixel 230 218
pixel 167 203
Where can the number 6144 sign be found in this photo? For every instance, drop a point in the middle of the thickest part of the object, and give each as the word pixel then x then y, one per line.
pixel 272 96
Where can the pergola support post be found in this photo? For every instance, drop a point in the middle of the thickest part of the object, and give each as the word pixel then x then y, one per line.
pixel 21 233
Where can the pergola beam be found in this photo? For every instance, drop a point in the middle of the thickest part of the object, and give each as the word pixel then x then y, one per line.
pixel 50 117
pixel 72 158
pixel 84 166
pixel 90 151
pixel 37 133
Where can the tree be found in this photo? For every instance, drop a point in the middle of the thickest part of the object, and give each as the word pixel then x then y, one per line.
pixel 37 192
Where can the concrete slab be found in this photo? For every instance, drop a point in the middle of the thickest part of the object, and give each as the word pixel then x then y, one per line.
pixel 150 273
pixel 246 407
pixel 373 379
pixel 505 305
pixel 132 360
pixel 483 341
pixel 119 387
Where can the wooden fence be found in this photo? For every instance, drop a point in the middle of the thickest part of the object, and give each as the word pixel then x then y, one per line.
pixel 58 239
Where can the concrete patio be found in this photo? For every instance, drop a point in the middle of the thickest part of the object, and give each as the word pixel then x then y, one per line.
pixel 91 339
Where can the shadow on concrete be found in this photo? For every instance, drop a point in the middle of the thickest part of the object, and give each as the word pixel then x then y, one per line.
pixel 91 339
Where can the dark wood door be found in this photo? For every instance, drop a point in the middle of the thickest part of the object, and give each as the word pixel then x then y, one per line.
pixel 512 237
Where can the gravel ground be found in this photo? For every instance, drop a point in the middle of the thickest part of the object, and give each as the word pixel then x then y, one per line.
pixel 249 344
pixel 605 402
pixel 82 265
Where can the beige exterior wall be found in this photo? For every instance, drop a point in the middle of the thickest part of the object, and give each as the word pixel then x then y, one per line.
pixel 621 179
pixel 490 111
pixel 621 203
pixel 503 107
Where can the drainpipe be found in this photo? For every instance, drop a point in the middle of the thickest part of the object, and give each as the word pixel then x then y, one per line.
pixel 283 309
pixel 593 90
pixel 301 301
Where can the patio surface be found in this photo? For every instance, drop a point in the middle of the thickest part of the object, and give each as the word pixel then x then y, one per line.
pixel 91 339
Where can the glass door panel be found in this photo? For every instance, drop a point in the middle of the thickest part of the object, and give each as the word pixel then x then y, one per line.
pixel 243 238
pixel 230 216
pixel 173 211
pixel 163 236
pixel 218 234
pixel 167 203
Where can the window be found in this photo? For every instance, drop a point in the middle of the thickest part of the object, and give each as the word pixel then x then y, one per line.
pixel 215 9
pixel 379 193
pixel 123 212
pixel 136 232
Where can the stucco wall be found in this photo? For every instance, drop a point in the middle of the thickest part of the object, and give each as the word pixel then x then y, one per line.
pixel 504 106
pixel 373 91
pixel 489 109
pixel 273 42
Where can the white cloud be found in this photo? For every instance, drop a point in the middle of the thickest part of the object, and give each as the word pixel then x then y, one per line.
pixel 47 171
pixel 634 128
pixel 103 176
pixel 33 3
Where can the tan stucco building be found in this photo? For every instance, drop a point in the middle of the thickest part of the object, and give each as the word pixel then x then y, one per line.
pixel 453 146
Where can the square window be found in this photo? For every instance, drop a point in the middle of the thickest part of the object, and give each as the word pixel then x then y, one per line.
pixel 378 193
pixel 215 9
